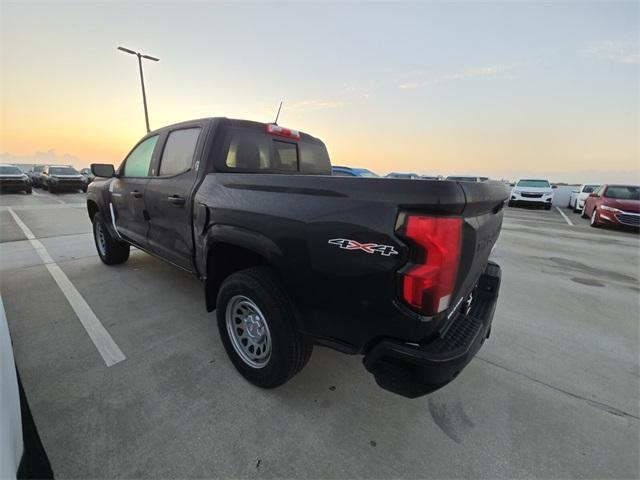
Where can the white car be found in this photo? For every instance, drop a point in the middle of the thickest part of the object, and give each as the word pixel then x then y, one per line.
pixel 579 196
pixel 528 191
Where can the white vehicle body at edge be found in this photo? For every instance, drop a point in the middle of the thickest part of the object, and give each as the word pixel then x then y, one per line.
pixel 11 441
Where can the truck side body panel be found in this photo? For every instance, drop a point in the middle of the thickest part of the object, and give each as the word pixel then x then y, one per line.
pixel 344 295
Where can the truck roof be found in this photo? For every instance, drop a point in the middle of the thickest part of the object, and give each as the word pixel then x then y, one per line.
pixel 232 122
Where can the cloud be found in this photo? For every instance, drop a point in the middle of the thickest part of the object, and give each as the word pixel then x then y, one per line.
pixel 620 51
pixel 309 105
pixel 498 71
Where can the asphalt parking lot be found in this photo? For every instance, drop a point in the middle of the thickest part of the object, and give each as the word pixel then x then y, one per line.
pixel 553 393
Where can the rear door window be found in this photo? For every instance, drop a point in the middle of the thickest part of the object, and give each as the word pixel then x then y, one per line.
pixel 179 150
pixel 138 162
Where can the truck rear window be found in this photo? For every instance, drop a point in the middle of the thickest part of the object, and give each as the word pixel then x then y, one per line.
pixel 253 151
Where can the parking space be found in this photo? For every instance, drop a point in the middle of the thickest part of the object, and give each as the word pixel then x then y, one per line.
pixel 552 393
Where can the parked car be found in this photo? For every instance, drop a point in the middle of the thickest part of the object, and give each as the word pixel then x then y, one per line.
pixel 86 173
pixel 467 178
pixel 352 172
pixel 613 205
pixel 292 256
pixel 431 177
pixel 405 176
pixel 578 196
pixel 34 175
pixel 533 192
pixel 57 178
pixel 12 179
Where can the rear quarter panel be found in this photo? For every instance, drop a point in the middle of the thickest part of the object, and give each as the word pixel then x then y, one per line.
pixel 345 294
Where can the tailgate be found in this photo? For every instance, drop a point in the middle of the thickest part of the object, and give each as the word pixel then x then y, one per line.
pixel 482 215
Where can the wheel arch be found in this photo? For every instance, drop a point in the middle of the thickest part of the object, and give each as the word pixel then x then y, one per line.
pixel 223 259
pixel 92 209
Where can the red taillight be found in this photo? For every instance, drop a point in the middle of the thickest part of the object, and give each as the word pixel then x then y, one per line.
pixel 274 129
pixel 428 285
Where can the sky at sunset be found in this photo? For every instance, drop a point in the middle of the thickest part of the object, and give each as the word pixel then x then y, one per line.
pixel 504 89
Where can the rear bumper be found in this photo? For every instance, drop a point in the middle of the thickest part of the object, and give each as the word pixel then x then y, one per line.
pixel 415 370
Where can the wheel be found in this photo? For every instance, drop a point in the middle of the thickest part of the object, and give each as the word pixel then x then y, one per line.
pixel 547 207
pixel 44 186
pixel 584 211
pixel 576 209
pixel 594 219
pixel 569 205
pixel 110 250
pixel 511 203
pixel 28 190
pixel 258 328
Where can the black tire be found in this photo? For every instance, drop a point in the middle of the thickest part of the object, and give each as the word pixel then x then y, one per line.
pixel 576 209
pixel 511 203
pixel 584 212
pixel 289 350
pixel 113 251
pixel 547 207
pixel 28 190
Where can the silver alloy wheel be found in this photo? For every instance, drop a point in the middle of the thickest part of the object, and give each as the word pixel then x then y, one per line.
pixel 248 331
pixel 101 241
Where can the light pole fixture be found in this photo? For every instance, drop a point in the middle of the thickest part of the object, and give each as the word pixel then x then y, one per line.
pixel 144 95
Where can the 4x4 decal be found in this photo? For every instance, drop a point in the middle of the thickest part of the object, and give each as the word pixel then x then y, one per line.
pixel 346 244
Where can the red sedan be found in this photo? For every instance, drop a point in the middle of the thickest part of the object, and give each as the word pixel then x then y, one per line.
pixel 613 205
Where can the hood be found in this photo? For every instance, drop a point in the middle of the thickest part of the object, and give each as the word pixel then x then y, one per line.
pixel 12 175
pixel 583 195
pixel 626 205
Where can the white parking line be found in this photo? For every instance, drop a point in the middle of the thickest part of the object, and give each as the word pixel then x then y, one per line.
pixel 564 216
pixel 50 196
pixel 111 353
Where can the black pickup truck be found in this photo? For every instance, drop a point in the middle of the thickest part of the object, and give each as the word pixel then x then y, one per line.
pixel 291 257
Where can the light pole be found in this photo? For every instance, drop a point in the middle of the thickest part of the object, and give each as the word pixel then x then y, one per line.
pixel 144 95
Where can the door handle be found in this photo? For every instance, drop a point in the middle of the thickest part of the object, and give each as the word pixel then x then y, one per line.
pixel 176 199
pixel 135 194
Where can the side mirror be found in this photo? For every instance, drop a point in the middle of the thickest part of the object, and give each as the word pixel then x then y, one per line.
pixel 593 195
pixel 554 186
pixel 104 170
pixel 575 191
